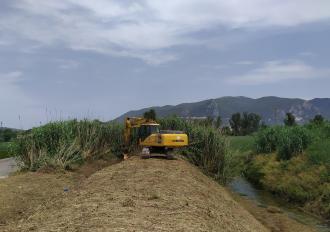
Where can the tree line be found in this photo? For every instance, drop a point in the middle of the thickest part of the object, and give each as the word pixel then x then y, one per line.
pixel 7 135
pixel 240 124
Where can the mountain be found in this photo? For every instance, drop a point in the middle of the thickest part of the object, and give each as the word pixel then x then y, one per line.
pixel 271 109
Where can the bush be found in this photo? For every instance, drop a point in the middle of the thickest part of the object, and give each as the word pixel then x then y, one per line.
pixel 292 141
pixel 66 143
pixel 319 151
pixel 208 148
pixel 267 140
pixel 287 141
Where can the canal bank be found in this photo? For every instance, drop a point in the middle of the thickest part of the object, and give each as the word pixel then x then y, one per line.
pixel 273 212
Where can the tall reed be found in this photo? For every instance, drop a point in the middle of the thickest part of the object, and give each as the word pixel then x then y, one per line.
pixel 65 143
pixel 208 148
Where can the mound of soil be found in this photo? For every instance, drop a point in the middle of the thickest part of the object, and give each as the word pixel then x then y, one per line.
pixel 141 195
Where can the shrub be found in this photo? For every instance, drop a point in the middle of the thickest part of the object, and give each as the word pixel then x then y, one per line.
pixel 267 140
pixel 287 141
pixel 292 141
pixel 290 120
pixel 319 151
pixel 208 148
pixel 318 119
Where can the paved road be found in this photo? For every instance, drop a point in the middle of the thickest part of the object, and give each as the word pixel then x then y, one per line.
pixel 7 166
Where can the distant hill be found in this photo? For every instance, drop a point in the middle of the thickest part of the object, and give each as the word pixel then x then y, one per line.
pixel 271 109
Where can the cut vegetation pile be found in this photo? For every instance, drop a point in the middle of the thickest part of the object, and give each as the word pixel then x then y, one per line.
pixel 140 195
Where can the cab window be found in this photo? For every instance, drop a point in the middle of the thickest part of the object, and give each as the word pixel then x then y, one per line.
pixel 147 130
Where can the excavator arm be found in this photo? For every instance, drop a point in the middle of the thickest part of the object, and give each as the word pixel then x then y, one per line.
pixel 132 122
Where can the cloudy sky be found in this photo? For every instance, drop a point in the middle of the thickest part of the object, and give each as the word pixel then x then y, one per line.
pixel 98 59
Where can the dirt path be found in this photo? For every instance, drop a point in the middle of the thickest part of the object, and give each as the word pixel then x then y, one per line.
pixel 7 166
pixel 142 195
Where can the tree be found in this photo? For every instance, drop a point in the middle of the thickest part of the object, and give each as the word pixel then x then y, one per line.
pixel 226 130
pixel 318 119
pixel 150 114
pixel 250 123
pixel 218 122
pixel 290 119
pixel 254 122
pixel 235 123
pixel 244 124
pixel 8 135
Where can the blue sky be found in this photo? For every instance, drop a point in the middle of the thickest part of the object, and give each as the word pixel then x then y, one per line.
pixel 99 59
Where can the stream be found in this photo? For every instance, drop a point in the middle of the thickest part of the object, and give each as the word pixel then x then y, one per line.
pixel 264 198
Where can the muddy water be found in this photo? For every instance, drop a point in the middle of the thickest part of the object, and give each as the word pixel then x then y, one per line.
pixel 263 198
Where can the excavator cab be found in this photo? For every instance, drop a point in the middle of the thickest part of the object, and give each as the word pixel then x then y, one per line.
pixel 146 130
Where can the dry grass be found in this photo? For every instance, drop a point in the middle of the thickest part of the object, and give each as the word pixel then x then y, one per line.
pixel 142 195
pixel 25 194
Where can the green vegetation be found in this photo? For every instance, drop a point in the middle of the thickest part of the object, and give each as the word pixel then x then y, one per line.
pixel 318 119
pixel 7 134
pixel 151 114
pixel 244 124
pixel 208 148
pixel 287 141
pixel 290 120
pixel 294 162
pixel 5 149
pixel 241 144
pixel 68 143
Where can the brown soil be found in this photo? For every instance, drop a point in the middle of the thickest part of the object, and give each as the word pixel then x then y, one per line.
pixel 134 195
pixel 22 195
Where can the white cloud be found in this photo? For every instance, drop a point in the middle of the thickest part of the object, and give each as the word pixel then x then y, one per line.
pixel 307 54
pixel 277 71
pixel 67 64
pixel 145 29
pixel 245 62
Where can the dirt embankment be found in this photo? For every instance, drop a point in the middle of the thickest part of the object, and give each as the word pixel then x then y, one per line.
pixel 136 195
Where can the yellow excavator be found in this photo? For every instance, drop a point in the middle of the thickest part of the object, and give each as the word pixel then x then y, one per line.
pixel 151 138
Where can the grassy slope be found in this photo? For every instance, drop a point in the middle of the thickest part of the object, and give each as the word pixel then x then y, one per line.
pixel 5 149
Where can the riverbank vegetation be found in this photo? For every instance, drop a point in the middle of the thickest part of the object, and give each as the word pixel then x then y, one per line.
pixel 294 162
pixel 5 149
pixel 7 136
